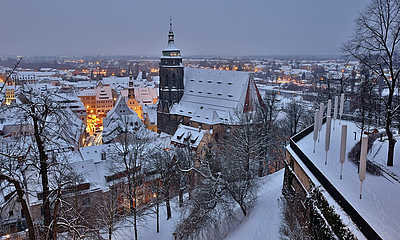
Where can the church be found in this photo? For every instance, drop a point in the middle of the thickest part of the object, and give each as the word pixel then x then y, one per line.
pixel 205 99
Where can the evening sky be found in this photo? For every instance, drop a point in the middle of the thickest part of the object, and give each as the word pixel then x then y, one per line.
pixel 201 27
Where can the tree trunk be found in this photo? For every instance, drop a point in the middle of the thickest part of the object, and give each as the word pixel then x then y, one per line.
pixel 180 197
pixel 392 141
pixel 25 210
pixel 134 205
pixel 135 223
pixel 43 172
pixel 243 209
pixel 168 205
pixel 158 215
pixel 55 218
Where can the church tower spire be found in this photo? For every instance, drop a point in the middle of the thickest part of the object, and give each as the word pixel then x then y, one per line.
pixel 171 82
pixel 171 33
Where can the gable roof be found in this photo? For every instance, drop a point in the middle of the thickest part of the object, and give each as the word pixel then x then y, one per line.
pixel 185 134
pixel 216 94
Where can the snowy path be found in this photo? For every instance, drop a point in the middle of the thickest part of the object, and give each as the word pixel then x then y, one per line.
pixel 265 218
pixel 263 222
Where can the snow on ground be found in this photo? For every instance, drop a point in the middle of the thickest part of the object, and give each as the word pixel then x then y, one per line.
pixel 378 154
pixel 262 223
pixel 380 195
pixel 265 219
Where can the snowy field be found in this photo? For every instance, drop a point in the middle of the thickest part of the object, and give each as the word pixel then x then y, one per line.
pixel 379 205
pixel 262 223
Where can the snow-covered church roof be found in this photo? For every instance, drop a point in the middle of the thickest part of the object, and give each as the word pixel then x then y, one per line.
pixel 212 96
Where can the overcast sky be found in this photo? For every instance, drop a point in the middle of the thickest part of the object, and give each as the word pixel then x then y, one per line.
pixel 201 27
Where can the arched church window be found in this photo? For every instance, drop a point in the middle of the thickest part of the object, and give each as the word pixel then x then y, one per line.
pixel 173 80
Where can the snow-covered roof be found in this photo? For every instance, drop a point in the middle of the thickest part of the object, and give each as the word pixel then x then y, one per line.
pixel 213 90
pixel 93 152
pixel 171 47
pixel 87 92
pixel 118 117
pixel 93 173
pixel 185 134
pixel 103 93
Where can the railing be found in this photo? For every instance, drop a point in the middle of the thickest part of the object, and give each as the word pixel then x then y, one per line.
pixel 364 227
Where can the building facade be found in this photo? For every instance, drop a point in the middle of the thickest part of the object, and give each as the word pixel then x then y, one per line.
pixel 201 98
pixel 171 83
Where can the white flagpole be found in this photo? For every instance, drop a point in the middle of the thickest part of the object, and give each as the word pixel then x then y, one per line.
pixel 341 107
pixel 321 116
pixel 335 111
pixel 343 141
pixel 363 161
pixel 316 127
pixel 327 137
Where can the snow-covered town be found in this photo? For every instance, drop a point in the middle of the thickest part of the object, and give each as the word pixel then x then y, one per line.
pixel 202 146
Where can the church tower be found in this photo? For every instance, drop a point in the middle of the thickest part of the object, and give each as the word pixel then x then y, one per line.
pixel 171 83
pixel 131 100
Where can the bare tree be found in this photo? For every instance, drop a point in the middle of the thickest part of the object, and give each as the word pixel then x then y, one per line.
pixel 128 153
pixel 375 44
pixel 210 208
pixel 365 102
pixel 43 126
pixel 270 130
pixel 109 211
pixel 228 178
pixel 295 112
pixel 163 163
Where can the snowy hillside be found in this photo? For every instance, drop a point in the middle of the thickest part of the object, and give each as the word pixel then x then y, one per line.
pixel 263 222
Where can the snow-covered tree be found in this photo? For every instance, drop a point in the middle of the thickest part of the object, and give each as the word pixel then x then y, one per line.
pixel 228 178
pixel 375 44
pixel 42 131
pixel 127 159
pixel 297 117
pixel 366 101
